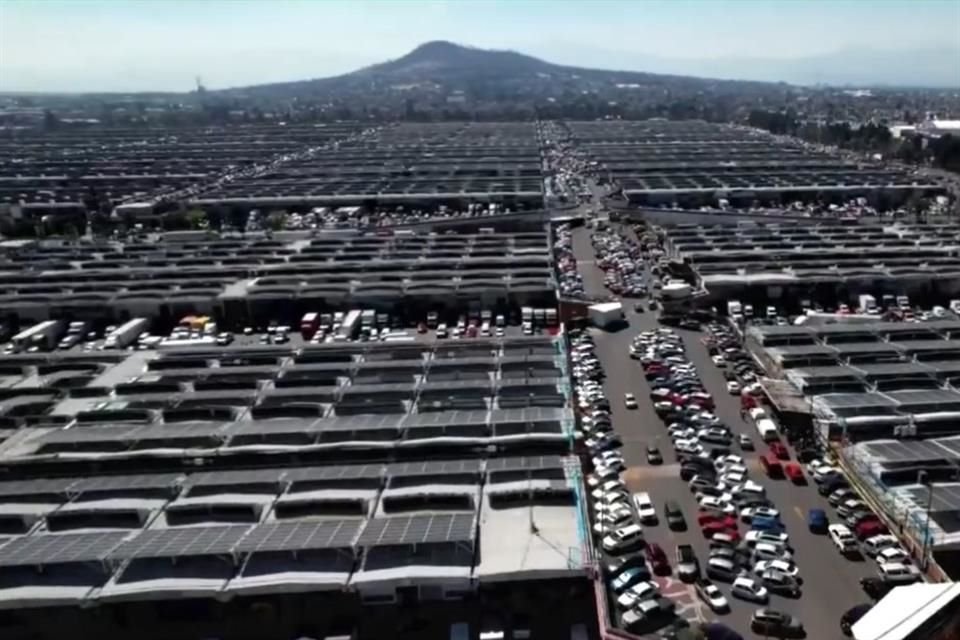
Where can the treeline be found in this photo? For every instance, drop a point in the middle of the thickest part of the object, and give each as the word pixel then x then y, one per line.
pixel 942 152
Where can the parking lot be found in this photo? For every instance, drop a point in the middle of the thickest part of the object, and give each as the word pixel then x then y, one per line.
pixel 831 583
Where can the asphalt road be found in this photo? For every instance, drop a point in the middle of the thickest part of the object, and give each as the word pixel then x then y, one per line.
pixel 831 583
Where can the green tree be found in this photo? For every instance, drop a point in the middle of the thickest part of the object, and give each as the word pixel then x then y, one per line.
pixel 196 218
pixel 276 220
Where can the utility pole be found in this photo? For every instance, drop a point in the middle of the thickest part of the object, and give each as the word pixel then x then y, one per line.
pixel 924 479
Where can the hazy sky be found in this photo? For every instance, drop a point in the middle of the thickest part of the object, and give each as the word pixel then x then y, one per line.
pixel 115 45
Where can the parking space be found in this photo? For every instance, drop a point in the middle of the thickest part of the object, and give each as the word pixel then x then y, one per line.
pixel 831 582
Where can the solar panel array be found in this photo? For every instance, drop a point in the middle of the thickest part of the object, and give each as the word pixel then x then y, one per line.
pixel 419 529
pixel 434 467
pixel 181 542
pixel 292 536
pixel 525 463
pixel 337 472
pixel 129 483
pixel 59 548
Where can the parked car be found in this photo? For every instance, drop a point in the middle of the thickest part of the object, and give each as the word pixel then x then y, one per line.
pixel 749 589
pixel 674 516
pixel 770 622
pixel 688 567
pixel 852 615
pixel 711 595
pixel 657 559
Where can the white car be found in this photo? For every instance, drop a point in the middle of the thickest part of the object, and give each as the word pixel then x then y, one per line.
pixel 749 589
pixel 733 477
pixel 629 401
pixel 875 544
pixel 754 537
pixel 843 538
pixel 622 538
pixel 715 504
pixel 734 388
pixel 899 573
pixel 645 508
pixel 608 487
pixel 719 360
pixel 612 520
pixel 712 596
pixel 893 555
pixel 825 472
pixel 637 593
pixel 770 551
pixel 787 567
pixel 729 459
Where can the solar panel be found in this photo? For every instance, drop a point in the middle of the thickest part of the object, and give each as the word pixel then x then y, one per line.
pixel 179 542
pixel 293 536
pixel 525 463
pixel 433 467
pixel 337 472
pixel 125 483
pixel 419 529
pixel 243 476
pixel 360 422
pixel 39 486
pixel 59 548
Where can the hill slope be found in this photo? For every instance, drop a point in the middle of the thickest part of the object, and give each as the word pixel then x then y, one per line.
pixel 453 66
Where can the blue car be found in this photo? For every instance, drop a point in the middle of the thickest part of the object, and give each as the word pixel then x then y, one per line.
pixel 817 521
pixel 766 523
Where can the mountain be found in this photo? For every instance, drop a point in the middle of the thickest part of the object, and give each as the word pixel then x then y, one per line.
pixel 452 66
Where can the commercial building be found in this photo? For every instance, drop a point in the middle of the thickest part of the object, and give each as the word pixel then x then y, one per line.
pixel 696 163
pixel 383 490
pixel 913 612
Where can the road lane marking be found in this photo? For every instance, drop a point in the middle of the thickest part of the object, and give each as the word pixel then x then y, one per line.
pixel 799 512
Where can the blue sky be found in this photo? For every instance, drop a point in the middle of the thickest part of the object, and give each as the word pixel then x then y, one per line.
pixel 113 45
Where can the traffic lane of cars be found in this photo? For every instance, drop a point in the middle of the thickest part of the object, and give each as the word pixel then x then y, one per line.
pixel 831 582
pixel 623 375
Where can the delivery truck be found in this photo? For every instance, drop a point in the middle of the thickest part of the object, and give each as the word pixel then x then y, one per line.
pixel 126 334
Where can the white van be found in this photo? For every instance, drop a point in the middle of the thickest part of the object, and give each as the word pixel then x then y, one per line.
pixel 485 330
pixel 767 430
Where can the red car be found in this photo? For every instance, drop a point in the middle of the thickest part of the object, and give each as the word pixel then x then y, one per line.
pixel 421 328
pixel 657 559
pixel 779 450
pixel 706 517
pixel 869 528
pixel 719 527
pixel 795 472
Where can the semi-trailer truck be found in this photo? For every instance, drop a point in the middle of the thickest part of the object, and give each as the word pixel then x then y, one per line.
pixel 125 335
pixel 44 334
pixel 350 325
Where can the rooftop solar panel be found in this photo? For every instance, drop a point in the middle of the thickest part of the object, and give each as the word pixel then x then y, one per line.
pixel 434 467
pixel 125 483
pixel 893 451
pixel 841 400
pixel 441 418
pixel 180 542
pixel 360 422
pixel 59 548
pixel 244 476
pixel 419 529
pixel 525 463
pixel 338 472
pixel 37 486
pixel 294 536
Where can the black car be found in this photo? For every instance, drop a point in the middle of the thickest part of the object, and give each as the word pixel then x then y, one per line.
pixel 653 455
pixel 770 622
pixel 852 616
pixel 832 485
pixel 876 588
pixel 674 516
